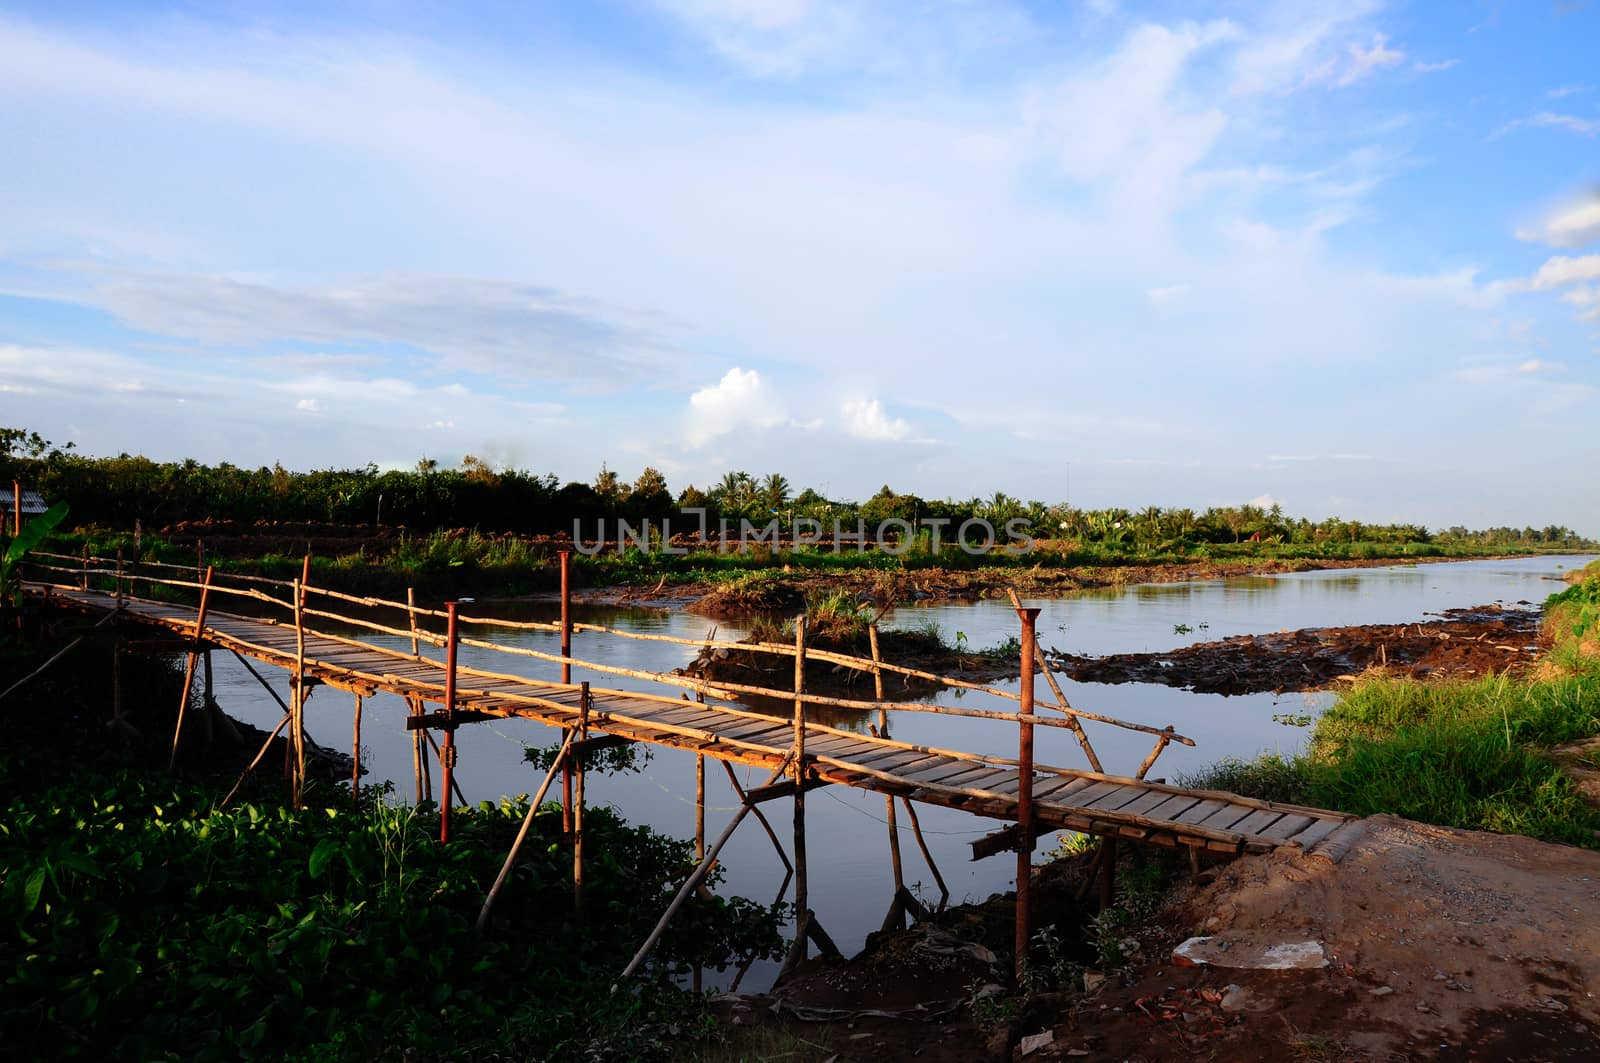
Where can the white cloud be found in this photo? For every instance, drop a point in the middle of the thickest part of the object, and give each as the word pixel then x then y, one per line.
pixel 1566 90
pixel 1573 225
pixel 1291 457
pixel 1265 501
pixel 741 399
pixel 866 419
pixel 1586 127
pixel 1586 299
pixel 488 326
pixel 1360 63
pixel 1354 457
pixel 1433 68
pixel 309 406
pixel 1564 269
pixel 1532 365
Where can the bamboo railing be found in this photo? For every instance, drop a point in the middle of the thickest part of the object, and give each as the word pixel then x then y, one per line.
pixel 124 577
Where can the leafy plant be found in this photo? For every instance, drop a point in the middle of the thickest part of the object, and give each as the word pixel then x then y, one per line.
pixel 16 549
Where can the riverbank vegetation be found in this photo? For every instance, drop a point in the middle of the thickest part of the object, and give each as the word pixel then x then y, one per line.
pixel 143 921
pixel 495 530
pixel 1472 754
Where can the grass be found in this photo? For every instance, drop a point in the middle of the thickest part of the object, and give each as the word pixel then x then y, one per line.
pixel 1470 754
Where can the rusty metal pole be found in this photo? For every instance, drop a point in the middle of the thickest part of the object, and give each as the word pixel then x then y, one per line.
pixel 1025 789
pixel 567 677
pixel 447 750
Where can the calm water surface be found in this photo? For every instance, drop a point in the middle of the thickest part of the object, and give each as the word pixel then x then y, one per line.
pixel 850 878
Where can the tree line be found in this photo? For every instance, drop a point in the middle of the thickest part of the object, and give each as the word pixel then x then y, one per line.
pixel 117 491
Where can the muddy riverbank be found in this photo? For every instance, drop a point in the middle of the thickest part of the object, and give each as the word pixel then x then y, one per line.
pixel 1484 640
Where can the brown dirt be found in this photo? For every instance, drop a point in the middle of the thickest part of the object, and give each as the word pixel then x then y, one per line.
pixel 1442 944
pixel 1483 640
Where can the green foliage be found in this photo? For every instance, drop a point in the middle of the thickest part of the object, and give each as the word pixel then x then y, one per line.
pixel 145 923
pixel 1461 754
pixel 13 550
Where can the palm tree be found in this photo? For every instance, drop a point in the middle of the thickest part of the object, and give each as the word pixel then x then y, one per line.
pixel 774 490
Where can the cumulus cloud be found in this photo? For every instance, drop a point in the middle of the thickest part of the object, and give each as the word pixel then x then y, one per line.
pixel 309 406
pixel 1586 299
pixel 741 399
pixel 866 419
pixel 1573 225
pixel 1265 501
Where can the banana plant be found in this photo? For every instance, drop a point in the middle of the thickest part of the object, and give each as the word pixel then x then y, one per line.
pixel 32 534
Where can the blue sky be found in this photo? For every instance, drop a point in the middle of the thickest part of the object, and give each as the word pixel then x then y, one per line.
pixel 1344 257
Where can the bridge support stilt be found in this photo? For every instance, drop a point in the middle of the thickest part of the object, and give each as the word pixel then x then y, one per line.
pixel 896 919
pixel 522 832
pixel 802 913
pixel 355 757
pixel 1024 927
pixel 577 804
pixel 188 673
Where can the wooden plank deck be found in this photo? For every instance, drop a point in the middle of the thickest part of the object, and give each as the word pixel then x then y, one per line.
pixel 984 786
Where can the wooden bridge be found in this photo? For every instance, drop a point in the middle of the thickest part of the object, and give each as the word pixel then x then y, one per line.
pixel 802 753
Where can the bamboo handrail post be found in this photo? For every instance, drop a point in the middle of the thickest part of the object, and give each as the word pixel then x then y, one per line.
pixel 447 749
pixel 414 708
pixel 566 677
pixel 522 832
pixel 1025 792
pixel 896 917
pixel 800 884
pixel 1149 761
pixel 119 577
pixel 188 673
pixel 411 621
pixel 297 736
pixel 577 806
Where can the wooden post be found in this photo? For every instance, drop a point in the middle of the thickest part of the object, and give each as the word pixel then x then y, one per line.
pixel 577 805
pixel 800 891
pixel 566 677
pixel 206 698
pixel 447 751
pixel 116 681
pixel 16 508
pixel 297 733
pixel 1025 789
pixel 119 577
pixel 85 579
pixel 416 745
pixel 188 674
pixel 411 615
pixel 699 806
pixel 895 920
pixel 355 758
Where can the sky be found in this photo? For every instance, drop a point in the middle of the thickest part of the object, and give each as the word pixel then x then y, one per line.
pixel 1342 257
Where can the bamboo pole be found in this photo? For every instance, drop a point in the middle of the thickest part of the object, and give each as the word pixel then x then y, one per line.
pixel 414 707
pixel 577 807
pixel 68 648
pixel 298 732
pixel 1055 688
pixel 522 832
pixel 566 677
pixel 1149 761
pixel 355 757
pixel 411 618
pixel 1025 794
pixel 447 750
pixel 800 884
pixel 765 824
pixel 895 919
pixel 692 883
pixel 188 673
pixel 252 766
pixel 916 832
